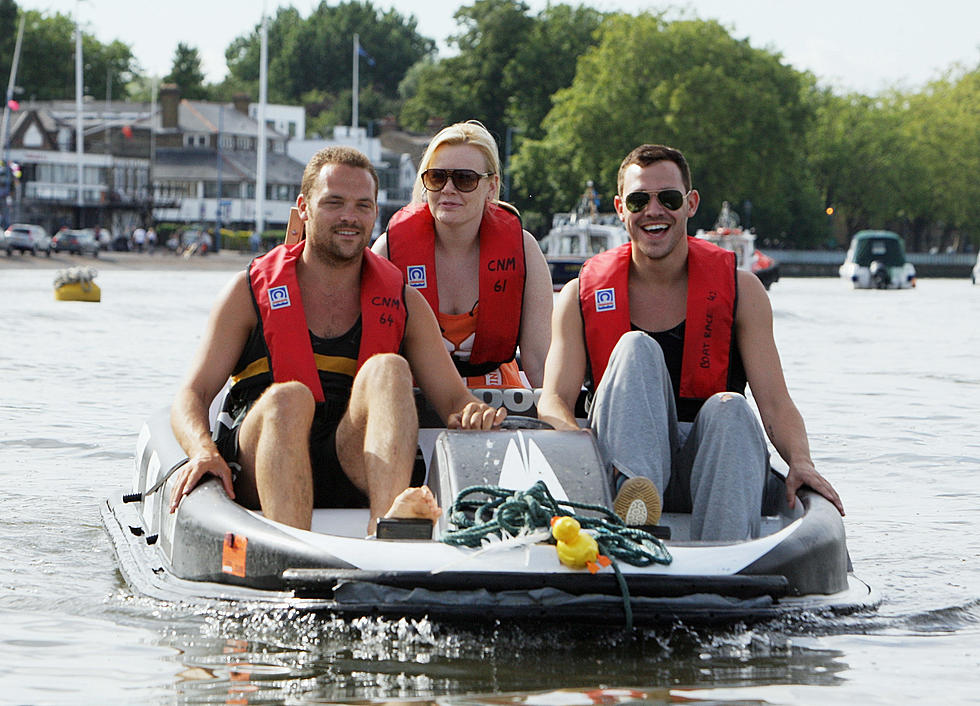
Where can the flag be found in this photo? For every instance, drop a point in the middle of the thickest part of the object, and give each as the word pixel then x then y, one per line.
pixel 367 57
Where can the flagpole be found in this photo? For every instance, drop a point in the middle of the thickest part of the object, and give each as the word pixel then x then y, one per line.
pixel 260 178
pixel 5 128
pixel 357 63
pixel 79 136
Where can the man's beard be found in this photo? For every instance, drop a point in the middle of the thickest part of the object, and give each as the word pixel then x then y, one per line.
pixel 330 252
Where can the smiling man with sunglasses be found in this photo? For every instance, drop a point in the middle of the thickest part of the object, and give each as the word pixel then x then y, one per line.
pixel 666 332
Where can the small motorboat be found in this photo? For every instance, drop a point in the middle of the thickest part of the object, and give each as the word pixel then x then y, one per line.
pixel 876 260
pixel 577 235
pixel 475 564
pixel 77 284
pixel 729 235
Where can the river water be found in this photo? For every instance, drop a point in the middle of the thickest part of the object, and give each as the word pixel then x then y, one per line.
pixel 889 385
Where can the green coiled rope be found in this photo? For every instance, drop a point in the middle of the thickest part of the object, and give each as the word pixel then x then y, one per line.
pixel 515 511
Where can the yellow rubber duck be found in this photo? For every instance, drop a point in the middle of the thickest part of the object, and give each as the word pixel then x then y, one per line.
pixel 576 549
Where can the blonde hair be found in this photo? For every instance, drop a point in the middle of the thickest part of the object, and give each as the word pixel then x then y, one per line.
pixel 472 132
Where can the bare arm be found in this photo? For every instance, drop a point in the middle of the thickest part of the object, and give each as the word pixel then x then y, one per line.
pixel 436 375
pixel 781 419
pixel 380 246
pixel 535 312
pixel 564 370
pixel 229 324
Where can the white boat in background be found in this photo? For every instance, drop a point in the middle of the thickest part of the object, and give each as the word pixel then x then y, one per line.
pixel 728 234
pixel 574 238
pixel 876 260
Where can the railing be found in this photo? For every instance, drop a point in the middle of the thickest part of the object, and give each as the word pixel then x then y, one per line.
pixel 824 263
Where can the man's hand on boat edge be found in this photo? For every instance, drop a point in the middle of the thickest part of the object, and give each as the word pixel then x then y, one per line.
pixel 805 474
pixel 194 470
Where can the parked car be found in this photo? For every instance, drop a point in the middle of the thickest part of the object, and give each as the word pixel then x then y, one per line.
pixel 976 269
pixel 76 242
pixel 26 238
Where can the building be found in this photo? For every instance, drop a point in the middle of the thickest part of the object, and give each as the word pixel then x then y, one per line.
pixel 203 170
pixel 114 166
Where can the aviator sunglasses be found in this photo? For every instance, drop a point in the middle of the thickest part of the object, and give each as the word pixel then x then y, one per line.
pixel 671 199
pixel 464 180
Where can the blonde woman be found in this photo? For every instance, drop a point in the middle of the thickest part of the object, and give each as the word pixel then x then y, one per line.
pixel 468 254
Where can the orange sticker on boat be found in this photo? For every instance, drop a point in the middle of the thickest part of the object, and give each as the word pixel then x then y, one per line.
pixel 233 554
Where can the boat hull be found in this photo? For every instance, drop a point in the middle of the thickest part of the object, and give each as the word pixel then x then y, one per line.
pixel 212 549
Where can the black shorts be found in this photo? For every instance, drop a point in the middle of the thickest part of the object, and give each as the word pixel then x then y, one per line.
pixel 331 486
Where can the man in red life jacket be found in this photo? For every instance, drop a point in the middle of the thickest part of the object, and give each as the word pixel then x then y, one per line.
pixel 665 332
pixel 322 341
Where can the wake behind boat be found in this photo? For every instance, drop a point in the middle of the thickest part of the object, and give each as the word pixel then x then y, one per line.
pixel 212 549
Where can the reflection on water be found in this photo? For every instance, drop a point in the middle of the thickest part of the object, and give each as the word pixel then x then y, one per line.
pixel 271 655
pixel 886 381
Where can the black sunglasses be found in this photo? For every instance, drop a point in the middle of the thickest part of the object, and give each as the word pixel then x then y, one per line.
pixel 464 180
pixel 671 199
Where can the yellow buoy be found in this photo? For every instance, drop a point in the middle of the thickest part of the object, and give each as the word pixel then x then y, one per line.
pixel 75 284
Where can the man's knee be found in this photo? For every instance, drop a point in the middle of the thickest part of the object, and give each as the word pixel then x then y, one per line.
pixel 384 368
pixel 637 349
pixel 284 400
pixel 727 406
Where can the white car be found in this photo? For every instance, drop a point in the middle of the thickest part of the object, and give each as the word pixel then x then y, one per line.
pixel 26 238
pixel 976 269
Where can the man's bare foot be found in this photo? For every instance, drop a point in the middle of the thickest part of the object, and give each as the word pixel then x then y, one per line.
pixel 415 502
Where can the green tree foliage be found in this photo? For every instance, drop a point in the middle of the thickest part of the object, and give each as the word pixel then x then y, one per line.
pixel 187 73
pixel 507 67
pixel 736 112
pixel 9 20
pixel 472 83
pixel 545 62
pixel 858 156
pixel 942 131
pixel 47 59
pixel 317 53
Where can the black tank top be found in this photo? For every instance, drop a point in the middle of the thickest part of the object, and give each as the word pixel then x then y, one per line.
pixel 672 344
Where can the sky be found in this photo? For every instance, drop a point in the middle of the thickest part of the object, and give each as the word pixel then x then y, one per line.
pixel 851 45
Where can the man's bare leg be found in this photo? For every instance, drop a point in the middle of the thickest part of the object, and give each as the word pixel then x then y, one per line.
pixel 274 455
pixel 377 436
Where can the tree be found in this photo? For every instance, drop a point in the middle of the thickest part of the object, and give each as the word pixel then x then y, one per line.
pixel 545 62
pixel 943 144
pixel 736 112
pixel 317 53
pixel 472 84
pixel 187 73
pixel 9 21
pixel 47 61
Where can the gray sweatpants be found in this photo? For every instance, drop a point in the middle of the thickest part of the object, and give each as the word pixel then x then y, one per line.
pixel 715 468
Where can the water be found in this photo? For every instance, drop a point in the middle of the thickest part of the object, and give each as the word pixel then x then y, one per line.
pixel 887 381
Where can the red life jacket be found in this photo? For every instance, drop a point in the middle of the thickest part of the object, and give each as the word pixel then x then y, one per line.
pixel 709 325
pixel 411 246
pixel 275 290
